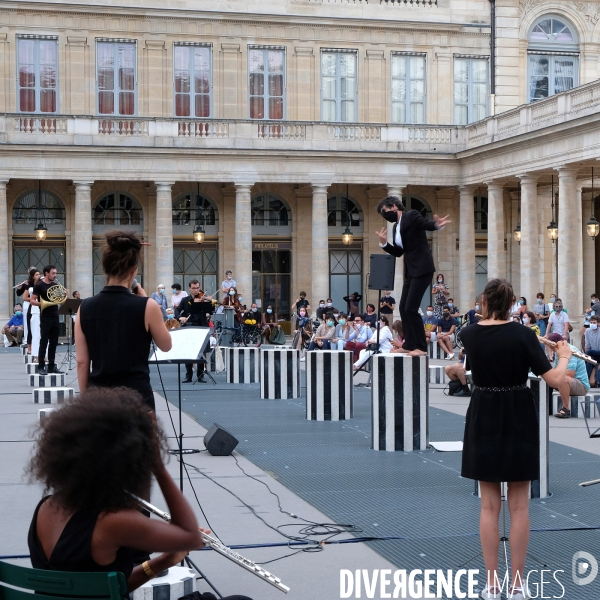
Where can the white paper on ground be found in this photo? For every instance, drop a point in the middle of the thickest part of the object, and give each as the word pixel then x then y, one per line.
pixel 447 446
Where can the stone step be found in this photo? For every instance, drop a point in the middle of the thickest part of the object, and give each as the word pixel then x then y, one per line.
pixel 42 413
pixel 51 380
pixel 31 368
pixel 52 395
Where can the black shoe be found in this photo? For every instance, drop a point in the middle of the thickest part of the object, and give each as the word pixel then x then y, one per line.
pixel 188 379
pixel 42 371
pixel 201 379
pixel 56 370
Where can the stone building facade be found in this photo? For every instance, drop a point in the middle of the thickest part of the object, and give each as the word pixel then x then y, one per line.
pixel 275 126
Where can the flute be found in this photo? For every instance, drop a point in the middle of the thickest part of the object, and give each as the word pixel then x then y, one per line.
pixel 219 547
pixel 576 353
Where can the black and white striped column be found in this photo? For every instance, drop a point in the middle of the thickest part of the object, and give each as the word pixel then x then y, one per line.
pixel 577 410
pixel 436 351
pixel 280 373
pixel 437 374
pixel 400 403
pixel 243 365
pixel 51 380
pixel 329 387
pixel 52 395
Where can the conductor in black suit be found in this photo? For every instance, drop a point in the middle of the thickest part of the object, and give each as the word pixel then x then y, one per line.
pixel 410 240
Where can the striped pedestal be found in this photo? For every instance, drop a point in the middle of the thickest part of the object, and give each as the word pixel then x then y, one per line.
pixel 32 368
pixel 280 373
pixel 178 582
pixel 52 380
pixel 24 349
pixel 28 359
pixel 243 365
pixel 437 374
pixel 55 395
pixel 436 351
pixel 42 413
pixel 577 411
pixel 329 388
pixel 400 403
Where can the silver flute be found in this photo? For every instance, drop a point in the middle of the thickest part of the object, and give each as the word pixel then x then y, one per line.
pixel 219 547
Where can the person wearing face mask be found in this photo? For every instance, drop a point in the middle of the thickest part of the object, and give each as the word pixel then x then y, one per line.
pixel 176 297
pixel 301 302
pixel 343 330
pixel 559 321
pixel 454 312
pixel 358 337
pixel 522 305
pixel 592 348
pixel 551 303
pixel 303 331
pixel 540 308
pixel 409 239
pixel 387 304
pixel 324 335
pixel 14 329
pixel 161 299
pixel 445 333
pixel 321 310
pixel 385 343
pixel 370 317
pixel 528 319
pixel 440 292
pixel 172 322
pixel 430 324
pixel 472 314
pixel 269 322
pixel 228 282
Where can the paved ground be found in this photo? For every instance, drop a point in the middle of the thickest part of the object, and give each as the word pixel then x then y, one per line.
pixel 325 472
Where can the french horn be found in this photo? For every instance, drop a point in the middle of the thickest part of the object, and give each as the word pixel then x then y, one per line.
pixel 57 295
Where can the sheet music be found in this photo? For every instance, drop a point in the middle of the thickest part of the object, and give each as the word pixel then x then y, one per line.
pixel 188 344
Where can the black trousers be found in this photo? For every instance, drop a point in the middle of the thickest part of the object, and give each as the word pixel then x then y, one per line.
pixel 412 293
pixel 49 339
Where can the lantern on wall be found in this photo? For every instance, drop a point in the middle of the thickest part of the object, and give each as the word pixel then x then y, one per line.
pixel 347 236
pixel 41 230
pixel 552 229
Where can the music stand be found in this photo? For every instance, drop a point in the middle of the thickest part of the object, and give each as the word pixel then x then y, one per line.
pixel 188 345
pixel 69 308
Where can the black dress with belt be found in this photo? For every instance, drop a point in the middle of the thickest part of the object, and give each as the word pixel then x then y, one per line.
pixel 113 323
pixel 501 440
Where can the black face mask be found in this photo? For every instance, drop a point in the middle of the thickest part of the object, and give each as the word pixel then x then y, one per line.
pixel 446 315
pixel 390 215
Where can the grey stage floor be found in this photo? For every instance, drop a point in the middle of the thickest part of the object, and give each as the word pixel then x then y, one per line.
pixel 418 498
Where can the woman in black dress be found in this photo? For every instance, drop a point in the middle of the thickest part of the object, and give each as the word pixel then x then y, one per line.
pixel 115 328
pixel 501 442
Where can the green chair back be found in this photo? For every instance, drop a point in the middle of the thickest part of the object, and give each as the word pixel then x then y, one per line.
pixel 47 585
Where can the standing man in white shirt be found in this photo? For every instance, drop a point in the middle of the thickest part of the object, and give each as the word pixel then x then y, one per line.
pixel 176 298
pixel 228 282
pixel 558 321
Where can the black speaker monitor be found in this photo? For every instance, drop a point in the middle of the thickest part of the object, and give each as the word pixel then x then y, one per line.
pixel 219 442
pixel 382 271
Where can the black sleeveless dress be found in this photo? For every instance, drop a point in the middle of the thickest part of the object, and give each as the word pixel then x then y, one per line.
pixel 113 323
pixel 501 440
pixel 73 550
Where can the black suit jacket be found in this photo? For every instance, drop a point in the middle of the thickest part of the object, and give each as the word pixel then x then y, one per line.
pixel 415 247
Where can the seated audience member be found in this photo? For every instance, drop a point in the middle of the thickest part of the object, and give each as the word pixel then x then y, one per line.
pixel 324 335
pixel 303 325
pixel 558 322
pixel 529 320
pixel 269 322
pixel 172 322
pixel 576 382
pixel 445 333
pixel 343 329
pixel 472 314
pixel 522 305
pixel 454 312
pixel 358 338
pixel 457 372
pixel 14 329
pixel 321 310
pixel 592 347
pixel 398 333
pixel 542 313
pixel 515 308
pixel 385 343
pixel 387 304
pixel 329 306
pixel 430 323
pixel 370 317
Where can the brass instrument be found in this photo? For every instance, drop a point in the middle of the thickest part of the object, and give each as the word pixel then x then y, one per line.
pixel 575 353
pixel 219 547
pixel 57 295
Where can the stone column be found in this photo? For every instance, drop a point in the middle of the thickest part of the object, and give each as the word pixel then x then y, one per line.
pixel 589 252
pixel 495 244
pixel 83 261
pixel 569 228
pixel 396 190
pixel 243 239
pixel 320 245
pixel 466 249
pixel 164 235
pixel 579 241
pixel 5 278
pixel 529 239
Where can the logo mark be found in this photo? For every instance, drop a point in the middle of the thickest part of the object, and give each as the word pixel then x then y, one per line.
pixel 585 568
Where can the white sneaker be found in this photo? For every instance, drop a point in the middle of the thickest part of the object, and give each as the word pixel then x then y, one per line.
pixel 449 357
pixel 490 593
pixel 518 593
pixel 303 359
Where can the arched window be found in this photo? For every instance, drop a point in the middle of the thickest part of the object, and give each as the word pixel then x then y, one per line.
pixel 193 209
pixel 117 209
pixel 342 211
pixel 38 206
pixel 553 57
pixel 418 204
pixel 270 211
pixel 481 213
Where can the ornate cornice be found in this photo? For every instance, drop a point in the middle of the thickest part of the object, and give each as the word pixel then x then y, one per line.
pixel 589 10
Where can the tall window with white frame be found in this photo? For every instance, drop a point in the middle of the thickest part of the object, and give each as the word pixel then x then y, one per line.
pixel 193 80
pixel 409 89
pixel 470 89
pixel 37 83
pixel 266 85
pixel 116 78
pixel 553 58
pixel 339 93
